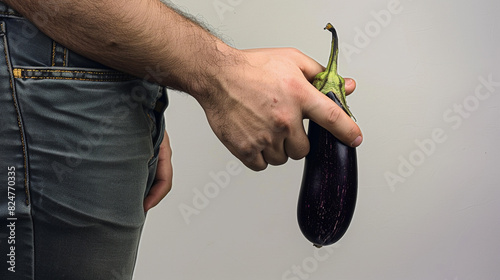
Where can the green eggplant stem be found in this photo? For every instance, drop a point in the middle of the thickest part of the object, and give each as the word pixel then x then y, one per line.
pixel 329 80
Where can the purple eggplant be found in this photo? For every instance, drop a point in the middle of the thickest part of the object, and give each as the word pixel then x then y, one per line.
pixel 328 191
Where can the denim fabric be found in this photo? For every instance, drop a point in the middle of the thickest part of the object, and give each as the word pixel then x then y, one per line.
pixel 78 151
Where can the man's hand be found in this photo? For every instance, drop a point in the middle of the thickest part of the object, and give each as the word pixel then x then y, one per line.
pixel 163 179
pixel 257 111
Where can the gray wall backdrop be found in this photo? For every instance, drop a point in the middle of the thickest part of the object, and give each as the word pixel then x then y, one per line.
pixel 429 196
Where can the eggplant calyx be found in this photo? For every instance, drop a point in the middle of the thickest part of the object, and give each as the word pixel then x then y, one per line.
pixel 329 80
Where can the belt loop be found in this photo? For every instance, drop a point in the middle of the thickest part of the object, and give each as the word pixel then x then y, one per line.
pixel 59 55
pixel 2 28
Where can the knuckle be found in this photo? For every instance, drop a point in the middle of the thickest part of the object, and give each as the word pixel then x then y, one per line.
pixel 281 123
pixel 295 51
pixel 289 50
pixel 294 84
pixel 247 151
pixel 262 141
pixel 333 115
pixel 250 150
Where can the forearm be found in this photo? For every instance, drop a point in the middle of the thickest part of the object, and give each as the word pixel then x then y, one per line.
pixel 142 37
pixel 254 100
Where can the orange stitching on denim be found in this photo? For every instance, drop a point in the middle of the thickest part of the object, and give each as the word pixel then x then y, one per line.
pixel 19 124
pixel 19 73
pixel 9 13
pixel 53 53
pixel 150 118
pixel 72 71
pixel 65 56
pixel 73 79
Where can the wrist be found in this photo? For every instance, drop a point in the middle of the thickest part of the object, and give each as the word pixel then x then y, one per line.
pixel 213 75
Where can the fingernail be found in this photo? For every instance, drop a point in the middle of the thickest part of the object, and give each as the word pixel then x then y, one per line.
pixel 357 141
pixel 348 82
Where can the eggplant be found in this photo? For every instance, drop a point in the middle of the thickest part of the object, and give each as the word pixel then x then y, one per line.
pixel 329 185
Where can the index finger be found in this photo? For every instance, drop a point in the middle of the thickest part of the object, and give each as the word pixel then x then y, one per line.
pixel 323 111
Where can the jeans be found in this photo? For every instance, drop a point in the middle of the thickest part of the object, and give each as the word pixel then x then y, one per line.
pixel 78 153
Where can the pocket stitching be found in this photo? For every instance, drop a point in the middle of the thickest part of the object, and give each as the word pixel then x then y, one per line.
pixel 82 75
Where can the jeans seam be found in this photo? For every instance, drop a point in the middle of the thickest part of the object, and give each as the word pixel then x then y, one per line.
pixel 19 118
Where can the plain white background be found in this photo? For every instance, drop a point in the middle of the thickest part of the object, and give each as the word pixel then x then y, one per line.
pixel 427 102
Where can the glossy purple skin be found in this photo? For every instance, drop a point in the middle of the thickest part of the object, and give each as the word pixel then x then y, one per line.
pixel 329 187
